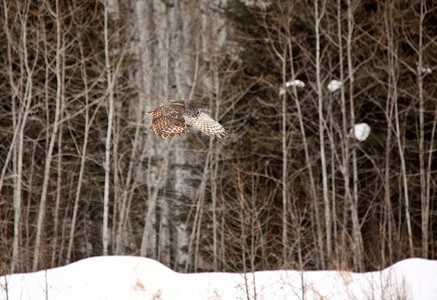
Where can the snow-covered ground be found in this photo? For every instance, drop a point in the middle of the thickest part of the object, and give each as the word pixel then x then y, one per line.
pixel 124 277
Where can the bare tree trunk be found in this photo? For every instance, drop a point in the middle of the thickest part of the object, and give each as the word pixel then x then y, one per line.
pixel 393 75
pixel 150 46
pixel 49 155
pixel 214 176
pixel 356 228
pixel 317 19
pixel 308 163
pixel 107 163
pixel 134 164
pixel 112 71
pixel 117 188
pixel 424 200
pixel 344 141
pixel 59 160
pixel 215 224
pixel 429 168
pixel 333 190
pixel 388 221
pixel 16 148
pixel 24 112
pixel 58 197
pixel 163 252
pixel 284 143
pixel 199 198
pixel 152 200
pixel 404 173
pixel 83 156
pixel 284 160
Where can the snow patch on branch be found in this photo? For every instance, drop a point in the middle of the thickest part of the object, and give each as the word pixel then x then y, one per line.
pixel 296 82
pixel 334 85
pixel 360 131
pixel 424 70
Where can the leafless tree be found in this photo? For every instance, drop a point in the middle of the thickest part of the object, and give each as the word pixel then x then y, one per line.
pixel 83 174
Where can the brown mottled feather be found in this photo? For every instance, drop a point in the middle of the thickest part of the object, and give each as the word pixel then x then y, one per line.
pixel 167 120
pixel 172 118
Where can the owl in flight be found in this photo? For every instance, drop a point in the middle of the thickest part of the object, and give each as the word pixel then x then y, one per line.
pixel 173 117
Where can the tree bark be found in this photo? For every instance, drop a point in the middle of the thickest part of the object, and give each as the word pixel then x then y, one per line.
pixel 317 19
pixel 107 163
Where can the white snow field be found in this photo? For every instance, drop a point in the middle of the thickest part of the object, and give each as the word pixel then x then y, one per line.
pixel 124 277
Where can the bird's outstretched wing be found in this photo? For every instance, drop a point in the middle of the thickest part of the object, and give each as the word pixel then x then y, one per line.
pixel 207 125
pixel 168 119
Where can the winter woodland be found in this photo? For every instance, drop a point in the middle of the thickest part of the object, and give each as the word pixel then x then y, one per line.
pixel 330 162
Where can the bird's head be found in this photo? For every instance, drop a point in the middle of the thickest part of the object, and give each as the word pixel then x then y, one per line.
pixel 193 108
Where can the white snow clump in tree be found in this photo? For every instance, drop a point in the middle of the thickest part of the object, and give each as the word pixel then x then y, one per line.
pixel 424 70
pixel 361 131
pixel 334 85
pixel 296 82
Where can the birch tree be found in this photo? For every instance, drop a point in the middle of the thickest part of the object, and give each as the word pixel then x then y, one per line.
pixel 318 15
pixel 53 135
pixel 356 231
pixel 19 118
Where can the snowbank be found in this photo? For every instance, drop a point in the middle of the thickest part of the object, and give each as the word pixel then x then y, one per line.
pixel 123 277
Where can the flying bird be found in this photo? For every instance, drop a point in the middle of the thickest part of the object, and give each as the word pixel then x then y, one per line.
pixel 172 118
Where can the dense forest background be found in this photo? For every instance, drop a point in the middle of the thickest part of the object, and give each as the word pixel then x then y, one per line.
pixel 82 173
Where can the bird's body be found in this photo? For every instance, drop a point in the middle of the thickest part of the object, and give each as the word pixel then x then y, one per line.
pixel 172 118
